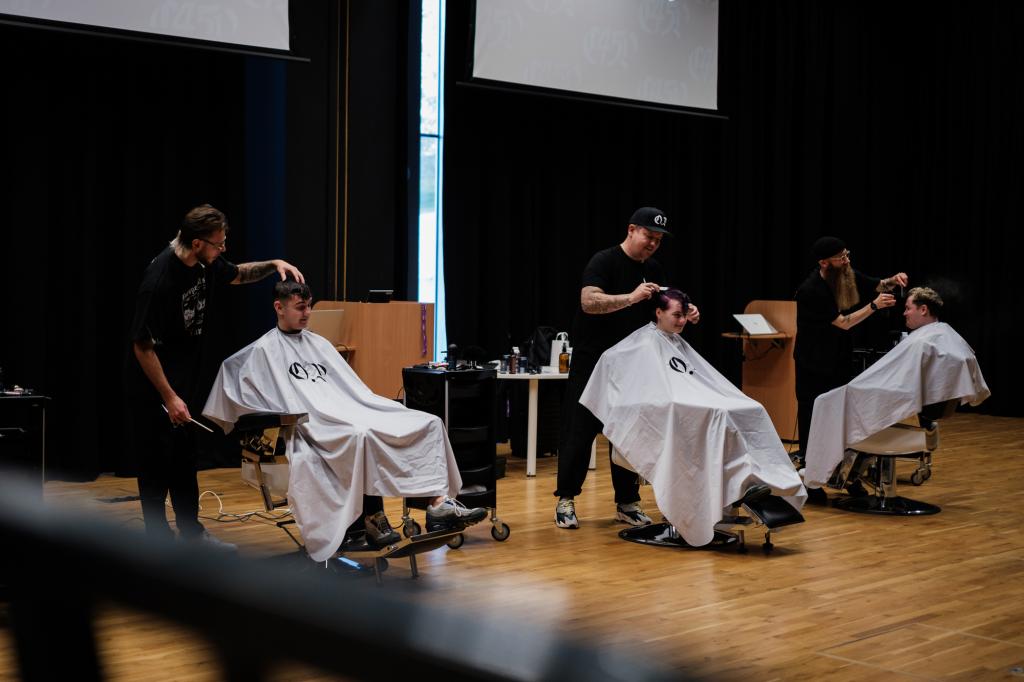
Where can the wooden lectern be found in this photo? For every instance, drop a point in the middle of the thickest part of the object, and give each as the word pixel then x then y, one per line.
pixel 378 339
pixel 769 371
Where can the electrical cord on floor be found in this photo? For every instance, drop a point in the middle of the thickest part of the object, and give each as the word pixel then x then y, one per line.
pixel 233 517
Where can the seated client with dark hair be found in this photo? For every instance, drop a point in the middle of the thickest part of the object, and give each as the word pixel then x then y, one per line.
pixel 355 443
pixel 684 427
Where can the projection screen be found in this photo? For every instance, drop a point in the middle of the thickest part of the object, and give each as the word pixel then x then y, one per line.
pixel 657 51
pixel 252 23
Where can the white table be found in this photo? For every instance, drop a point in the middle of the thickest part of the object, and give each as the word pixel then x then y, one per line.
pixel 531 418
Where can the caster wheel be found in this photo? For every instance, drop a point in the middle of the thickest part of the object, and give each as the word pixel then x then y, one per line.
pixel 767 547
pixel 501 533
pixel 927 474
pixel 457 541
pixel 917 478
pixel 411 528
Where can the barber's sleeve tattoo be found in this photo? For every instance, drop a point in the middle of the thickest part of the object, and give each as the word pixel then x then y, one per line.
pixel 253 272
pixel 596 302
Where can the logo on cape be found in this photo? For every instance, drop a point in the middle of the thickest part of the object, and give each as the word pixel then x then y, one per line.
pixel 677 364
pixel 308 370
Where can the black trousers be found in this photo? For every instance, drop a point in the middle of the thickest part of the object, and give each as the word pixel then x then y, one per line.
pixel 809 385
pixel 371 505
pixel 166 465
pixel 579 428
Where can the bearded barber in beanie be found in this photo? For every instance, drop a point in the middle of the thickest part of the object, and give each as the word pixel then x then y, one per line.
pixel 831 301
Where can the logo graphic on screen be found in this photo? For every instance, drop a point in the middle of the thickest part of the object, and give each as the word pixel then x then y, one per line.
pixel 678 365
pixel 308 371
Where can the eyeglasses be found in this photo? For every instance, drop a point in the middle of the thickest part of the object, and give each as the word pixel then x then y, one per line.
pixel 845 255
pixel 220 246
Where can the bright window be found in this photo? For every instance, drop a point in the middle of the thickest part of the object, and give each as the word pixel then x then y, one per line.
pixel 431 241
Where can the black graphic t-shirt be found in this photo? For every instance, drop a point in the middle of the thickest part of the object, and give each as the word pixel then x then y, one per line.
pixel 171 310
pixel 612 271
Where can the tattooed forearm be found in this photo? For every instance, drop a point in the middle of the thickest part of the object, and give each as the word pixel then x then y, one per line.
pixel 596 302
pixel 252 272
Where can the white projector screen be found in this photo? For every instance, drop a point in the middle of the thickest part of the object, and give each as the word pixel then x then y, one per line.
pixel 658 51
pixel 253 23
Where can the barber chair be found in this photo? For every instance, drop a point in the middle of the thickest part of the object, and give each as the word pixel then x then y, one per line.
pixel 769 512
pixel 265 467
pixel 873 462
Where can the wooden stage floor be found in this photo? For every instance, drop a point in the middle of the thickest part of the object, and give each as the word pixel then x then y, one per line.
pixel 843 596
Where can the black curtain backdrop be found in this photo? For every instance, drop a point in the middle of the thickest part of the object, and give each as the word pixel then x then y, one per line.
pixel 106 144
pixel 896 127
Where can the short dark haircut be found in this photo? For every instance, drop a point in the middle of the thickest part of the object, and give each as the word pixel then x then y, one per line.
pixel 200 223
pixel 929 297
pixel 661 301
pixel 285 289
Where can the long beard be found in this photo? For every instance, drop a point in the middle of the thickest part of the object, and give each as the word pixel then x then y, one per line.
pixel 843 284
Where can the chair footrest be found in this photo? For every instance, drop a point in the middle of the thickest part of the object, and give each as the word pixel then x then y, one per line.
pixel 425 542
pixel 773 512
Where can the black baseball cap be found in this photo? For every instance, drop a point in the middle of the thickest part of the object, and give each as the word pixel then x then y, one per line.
pixel 654 219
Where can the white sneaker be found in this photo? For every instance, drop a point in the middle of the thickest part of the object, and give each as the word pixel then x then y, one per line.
pixel 452 514
pixel 565 513
pixel 213 543
pixel 632 514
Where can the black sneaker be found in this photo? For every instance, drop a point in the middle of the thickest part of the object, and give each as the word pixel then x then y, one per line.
pixel 856 489
pixel 817 496
pixel 379 532
pixel 452 515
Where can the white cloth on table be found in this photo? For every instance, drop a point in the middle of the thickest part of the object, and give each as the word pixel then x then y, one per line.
pixel 355 442
pixel 687 429
pixel 932 365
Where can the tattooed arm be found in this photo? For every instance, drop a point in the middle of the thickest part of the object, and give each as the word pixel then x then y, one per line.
pixel 253 272
pixel 595 302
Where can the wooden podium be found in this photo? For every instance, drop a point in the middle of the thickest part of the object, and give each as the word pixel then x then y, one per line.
pixel 378 339
pixel 769 371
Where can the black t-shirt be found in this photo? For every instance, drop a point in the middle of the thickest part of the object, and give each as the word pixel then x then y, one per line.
pixel 821 347
pixel 172 310
pixel 612 271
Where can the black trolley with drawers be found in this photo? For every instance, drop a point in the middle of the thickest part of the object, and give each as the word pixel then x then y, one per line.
pixel 464 399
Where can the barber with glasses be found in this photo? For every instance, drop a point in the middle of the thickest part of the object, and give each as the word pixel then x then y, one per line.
pixel 179 295
pixel 831 301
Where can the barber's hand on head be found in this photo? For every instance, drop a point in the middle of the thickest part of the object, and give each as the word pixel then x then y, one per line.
pixel 693 315
pixel 885 300
pixel 177 411
pixel 643 292
pixel 285 269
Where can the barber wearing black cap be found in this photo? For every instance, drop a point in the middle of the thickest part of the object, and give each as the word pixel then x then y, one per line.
pixel 615 282
pixel 829 303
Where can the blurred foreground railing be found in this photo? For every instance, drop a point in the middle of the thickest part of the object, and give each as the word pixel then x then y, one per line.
pixel 56 564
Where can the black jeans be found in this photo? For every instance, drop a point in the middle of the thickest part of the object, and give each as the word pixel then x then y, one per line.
pixel 579 428
pixel 167 464
pixel 809 385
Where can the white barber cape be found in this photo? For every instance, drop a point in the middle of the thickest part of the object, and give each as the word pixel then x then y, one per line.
pixel 685 428
pixel 933 364
pixel 355 442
